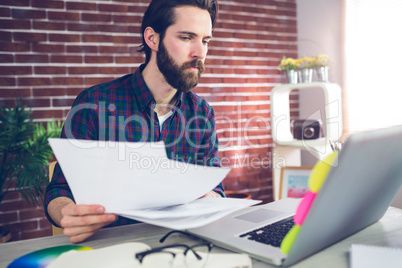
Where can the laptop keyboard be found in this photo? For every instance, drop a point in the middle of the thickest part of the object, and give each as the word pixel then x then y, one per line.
pixel 271 234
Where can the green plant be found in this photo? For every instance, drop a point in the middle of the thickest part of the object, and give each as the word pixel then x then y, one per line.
pixel 321 60
pixel 24 152
pixel 306 63
pixel 288 64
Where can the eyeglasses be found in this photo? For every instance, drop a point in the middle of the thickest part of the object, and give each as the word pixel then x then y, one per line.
pixel 192 256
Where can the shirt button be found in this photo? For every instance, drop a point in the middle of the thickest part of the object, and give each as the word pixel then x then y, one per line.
pixel 155 123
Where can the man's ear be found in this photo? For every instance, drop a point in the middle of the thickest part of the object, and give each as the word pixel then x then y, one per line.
pixel 151 38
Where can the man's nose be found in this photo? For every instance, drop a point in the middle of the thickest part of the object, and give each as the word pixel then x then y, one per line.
pixel 199 50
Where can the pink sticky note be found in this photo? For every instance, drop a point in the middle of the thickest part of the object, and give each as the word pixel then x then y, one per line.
pixel 304 207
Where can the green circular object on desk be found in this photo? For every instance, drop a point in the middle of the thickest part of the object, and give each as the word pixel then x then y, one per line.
pixel 42 258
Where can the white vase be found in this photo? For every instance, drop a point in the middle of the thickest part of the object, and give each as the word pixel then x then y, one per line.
pixel 291 76
pixel 306 75
pixel 322 74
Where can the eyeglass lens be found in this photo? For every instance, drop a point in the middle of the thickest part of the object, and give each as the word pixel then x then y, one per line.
pixel 177 257
pixel 192 260
pixel 160 259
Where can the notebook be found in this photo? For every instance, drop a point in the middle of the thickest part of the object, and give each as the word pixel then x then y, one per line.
pixel 356 193
pixel 371 256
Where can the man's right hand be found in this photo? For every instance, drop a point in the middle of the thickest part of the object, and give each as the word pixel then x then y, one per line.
pixel 79 221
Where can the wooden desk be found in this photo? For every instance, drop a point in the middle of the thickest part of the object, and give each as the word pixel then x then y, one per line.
pixel 386 232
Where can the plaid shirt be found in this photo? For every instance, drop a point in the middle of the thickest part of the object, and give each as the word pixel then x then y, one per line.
pixel 123 110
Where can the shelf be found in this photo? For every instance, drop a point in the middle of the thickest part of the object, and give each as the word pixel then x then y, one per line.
pixel 287 151
pixel 303 143
pixel 280 112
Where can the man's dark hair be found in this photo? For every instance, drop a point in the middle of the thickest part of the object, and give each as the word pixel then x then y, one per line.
pixel 160 15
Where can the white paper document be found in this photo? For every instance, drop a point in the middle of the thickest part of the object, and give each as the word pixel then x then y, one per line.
pixel 138 181
pixel 190 215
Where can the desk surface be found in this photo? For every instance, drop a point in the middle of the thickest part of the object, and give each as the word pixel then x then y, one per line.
pixel 386 232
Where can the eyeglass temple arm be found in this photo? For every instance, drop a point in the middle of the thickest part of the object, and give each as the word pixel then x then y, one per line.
pixel 140 256
pixel 181 232
pixel 179 245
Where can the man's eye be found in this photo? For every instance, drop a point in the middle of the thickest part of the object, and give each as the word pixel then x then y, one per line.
pixel 185 38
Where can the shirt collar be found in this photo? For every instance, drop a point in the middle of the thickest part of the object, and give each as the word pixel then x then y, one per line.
pixel 141 91
pixel 143 94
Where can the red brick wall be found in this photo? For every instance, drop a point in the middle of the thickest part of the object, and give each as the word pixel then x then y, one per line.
pixel 51 50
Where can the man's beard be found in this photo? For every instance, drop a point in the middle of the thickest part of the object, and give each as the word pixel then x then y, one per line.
pixel 178 76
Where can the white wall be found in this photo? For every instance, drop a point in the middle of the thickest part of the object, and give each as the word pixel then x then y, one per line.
pixel 319 31
pixel 319 26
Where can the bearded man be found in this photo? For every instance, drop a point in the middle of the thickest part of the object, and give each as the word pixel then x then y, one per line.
pixel 153 104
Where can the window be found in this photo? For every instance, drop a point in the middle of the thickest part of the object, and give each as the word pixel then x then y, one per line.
pixel 373 63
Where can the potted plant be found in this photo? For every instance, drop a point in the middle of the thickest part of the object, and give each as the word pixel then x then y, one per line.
pixel 24 153
pixel 290 67
pixel 321 63
pixel 306 65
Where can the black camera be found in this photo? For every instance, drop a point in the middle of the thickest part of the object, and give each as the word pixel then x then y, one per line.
pixel 306 129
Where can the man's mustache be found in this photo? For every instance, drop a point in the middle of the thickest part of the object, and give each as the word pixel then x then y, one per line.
pixel 194 63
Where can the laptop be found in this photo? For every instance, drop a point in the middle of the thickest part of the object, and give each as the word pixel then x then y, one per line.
pixel 356 193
